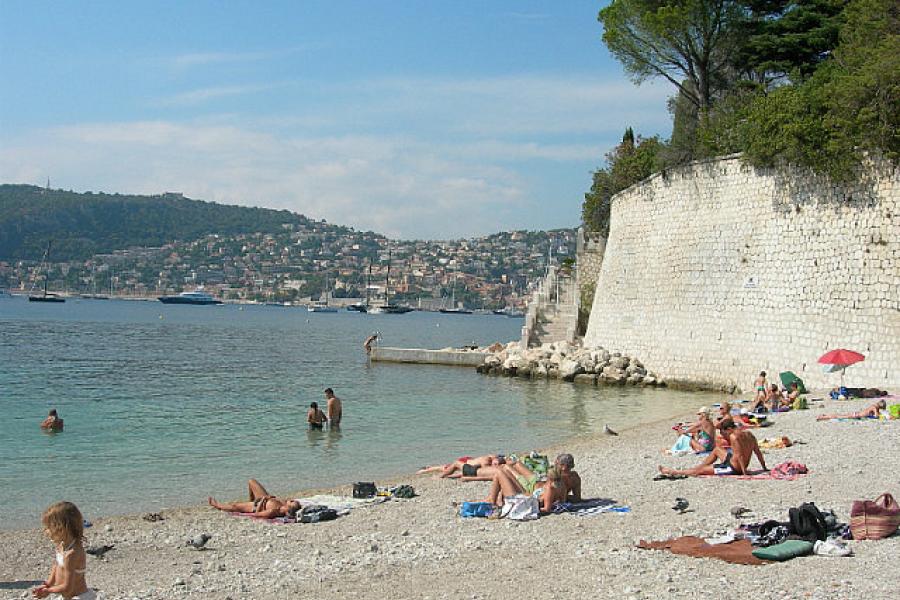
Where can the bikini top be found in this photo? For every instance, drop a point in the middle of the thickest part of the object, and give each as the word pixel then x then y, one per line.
pixel 61 555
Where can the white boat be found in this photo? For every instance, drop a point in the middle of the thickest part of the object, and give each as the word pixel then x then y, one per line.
pixel 322 307
pixel 195 297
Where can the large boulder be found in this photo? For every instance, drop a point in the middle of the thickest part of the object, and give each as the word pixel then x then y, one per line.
pixel 568 369
pixel 619 362
pixel 540 369
pixel 585 379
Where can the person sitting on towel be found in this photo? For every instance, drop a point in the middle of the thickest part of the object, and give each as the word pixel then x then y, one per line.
pixel 732 461
pixel 511 481
pixel 870 412
pixel 262 504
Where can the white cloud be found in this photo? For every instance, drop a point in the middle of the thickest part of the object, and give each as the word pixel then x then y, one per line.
pixel 202 95
pixel 433 158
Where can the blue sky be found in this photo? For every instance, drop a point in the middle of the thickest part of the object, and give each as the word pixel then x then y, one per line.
pixel 417 119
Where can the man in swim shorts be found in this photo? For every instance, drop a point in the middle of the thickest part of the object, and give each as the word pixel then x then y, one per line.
pixel 335 409
pixel 731 461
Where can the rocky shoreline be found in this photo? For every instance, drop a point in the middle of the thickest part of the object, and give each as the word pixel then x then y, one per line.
pixel 420 548
pixel 561 360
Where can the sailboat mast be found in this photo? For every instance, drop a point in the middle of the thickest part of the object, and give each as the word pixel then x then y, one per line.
pixel 387 279
pixel 368 277
pixel 47 258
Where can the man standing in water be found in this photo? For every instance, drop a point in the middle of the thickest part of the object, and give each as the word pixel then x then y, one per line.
pixel 335 409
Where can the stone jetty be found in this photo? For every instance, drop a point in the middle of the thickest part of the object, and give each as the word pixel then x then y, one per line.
pixel 561 360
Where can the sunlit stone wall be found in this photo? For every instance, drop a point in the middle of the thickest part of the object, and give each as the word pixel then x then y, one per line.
pixel 716 270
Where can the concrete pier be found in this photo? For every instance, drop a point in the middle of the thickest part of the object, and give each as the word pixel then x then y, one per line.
pixel 421 356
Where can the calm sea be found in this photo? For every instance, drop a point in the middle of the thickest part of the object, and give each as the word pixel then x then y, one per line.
pixel 165 405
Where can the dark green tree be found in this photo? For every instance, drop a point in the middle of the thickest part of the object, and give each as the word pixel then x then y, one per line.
pixel 687 42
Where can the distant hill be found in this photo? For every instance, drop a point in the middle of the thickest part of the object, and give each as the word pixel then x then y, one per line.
pixel 83 224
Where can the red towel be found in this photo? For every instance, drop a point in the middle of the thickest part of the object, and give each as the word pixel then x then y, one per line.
pixel 739 552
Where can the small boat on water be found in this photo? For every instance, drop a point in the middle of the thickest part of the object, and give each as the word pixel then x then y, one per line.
pixel 455 311
pixel 47 296
pixel 195 297
pixel 358 307
pixel 321 307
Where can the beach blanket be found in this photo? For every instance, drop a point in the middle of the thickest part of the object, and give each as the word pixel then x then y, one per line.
pixel 738 552
pixel 594 506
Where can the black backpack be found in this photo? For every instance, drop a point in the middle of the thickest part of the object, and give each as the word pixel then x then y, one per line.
pixel 364 489
pixel 807 523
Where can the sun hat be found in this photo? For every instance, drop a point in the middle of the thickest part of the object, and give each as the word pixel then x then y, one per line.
pixel 703 410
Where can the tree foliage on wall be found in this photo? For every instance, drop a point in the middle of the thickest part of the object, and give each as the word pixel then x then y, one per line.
pixel 814 83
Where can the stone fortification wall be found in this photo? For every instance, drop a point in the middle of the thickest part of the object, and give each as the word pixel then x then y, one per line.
pixel 717 270
pixel 589 257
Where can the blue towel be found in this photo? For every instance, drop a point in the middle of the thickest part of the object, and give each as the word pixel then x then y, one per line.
pixel 682 444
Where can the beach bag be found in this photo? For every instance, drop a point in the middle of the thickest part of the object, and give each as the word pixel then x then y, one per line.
pixel 404 491
pixel 537 464
pixel 520 508
pixel 364 489
pixel 894 411
pixel 800 403
pixel 476 509
pixel 785 550
pixel 807 522
pixel 874 520
pixel 320 513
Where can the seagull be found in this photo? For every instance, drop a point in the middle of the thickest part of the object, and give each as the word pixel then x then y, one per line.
pixel 99 551
pixel 681 505
pixel 608 431
pixel 199 541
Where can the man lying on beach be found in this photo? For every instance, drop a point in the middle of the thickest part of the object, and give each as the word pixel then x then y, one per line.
pixel 465 465
pixel 870 412
pixel 732 461
pixel 262 504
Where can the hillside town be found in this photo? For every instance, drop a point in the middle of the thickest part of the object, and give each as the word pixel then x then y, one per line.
pixel 324 261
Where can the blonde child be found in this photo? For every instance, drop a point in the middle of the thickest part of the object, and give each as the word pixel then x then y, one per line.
pixel 64 525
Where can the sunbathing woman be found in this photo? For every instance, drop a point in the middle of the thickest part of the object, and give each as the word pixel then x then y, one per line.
pixel 512 480
pixel 262 504
pixel 702 432
pixel 870 412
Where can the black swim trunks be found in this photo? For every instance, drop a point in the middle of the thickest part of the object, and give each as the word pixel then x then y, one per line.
pixel 316 425
pixel 469 470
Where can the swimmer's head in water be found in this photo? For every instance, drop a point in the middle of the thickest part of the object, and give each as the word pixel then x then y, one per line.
pixel 314 405
pixel 52 412
pixel 329 392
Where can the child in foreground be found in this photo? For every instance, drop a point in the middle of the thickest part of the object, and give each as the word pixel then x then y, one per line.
pixel 64 525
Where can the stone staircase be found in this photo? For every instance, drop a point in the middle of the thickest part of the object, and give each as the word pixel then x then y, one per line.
pixel 552 313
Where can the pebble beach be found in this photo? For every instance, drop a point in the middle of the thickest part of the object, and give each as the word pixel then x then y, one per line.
pixel 421 548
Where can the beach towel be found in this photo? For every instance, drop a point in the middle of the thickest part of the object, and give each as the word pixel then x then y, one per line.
pixel 681 446
pixel 594 506
pixel 739 552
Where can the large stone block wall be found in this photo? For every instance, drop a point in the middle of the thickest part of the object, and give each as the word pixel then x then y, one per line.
pixel 717 270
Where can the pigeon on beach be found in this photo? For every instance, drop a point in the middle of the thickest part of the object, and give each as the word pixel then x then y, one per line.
pixel 199 541
pixel 608 431
pixel 99 551
pixel 681 505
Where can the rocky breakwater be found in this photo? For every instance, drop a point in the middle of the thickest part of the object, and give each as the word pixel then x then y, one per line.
pixel 561 360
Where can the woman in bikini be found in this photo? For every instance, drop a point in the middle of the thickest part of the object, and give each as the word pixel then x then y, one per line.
pixel 515 478
pixel 870 412
pixel 262 504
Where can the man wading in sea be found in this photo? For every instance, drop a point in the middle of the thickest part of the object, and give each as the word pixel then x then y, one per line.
pixel 335 409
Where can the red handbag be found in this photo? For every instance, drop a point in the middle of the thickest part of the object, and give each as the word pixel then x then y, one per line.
pixel 874 520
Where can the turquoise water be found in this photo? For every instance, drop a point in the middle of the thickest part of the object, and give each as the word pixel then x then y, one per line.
pixel 165 404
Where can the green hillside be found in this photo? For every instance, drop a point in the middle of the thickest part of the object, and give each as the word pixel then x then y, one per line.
pixel 82 225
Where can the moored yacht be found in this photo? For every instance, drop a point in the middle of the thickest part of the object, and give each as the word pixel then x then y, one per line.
pixel 194 297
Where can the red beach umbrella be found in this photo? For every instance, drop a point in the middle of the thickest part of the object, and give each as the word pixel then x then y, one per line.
pixel 841 357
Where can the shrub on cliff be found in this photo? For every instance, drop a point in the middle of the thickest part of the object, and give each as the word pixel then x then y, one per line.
pixel 629 162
